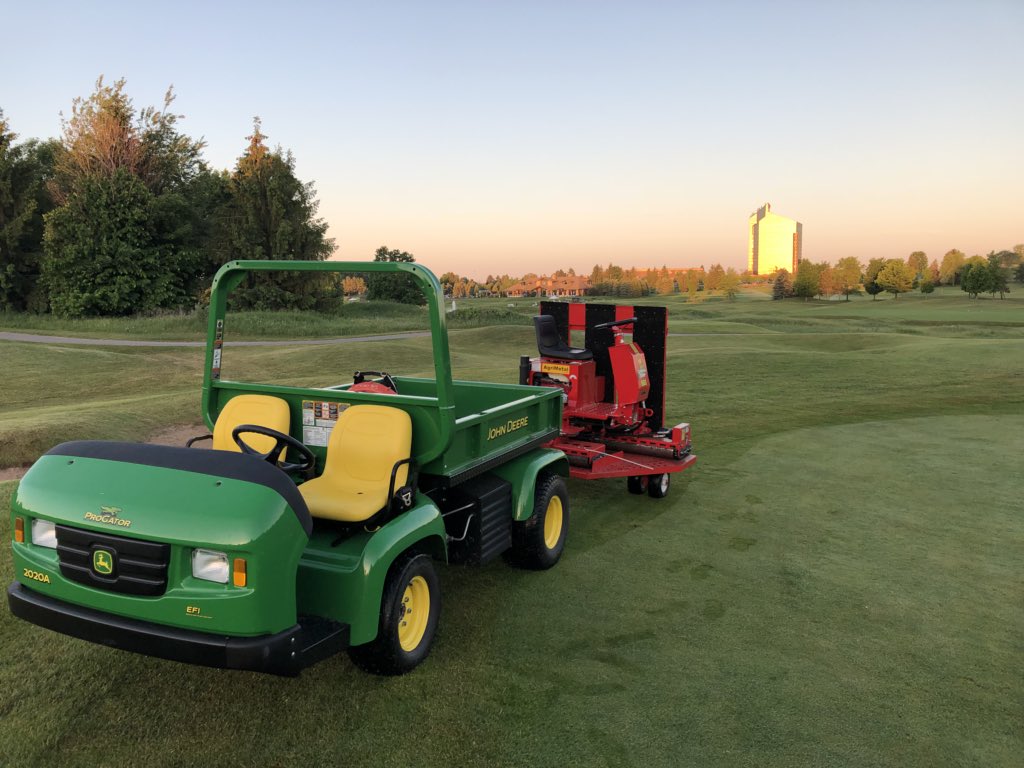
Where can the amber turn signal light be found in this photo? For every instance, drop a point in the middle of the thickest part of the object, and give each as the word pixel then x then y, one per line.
pixel 19 530
pixel 239 572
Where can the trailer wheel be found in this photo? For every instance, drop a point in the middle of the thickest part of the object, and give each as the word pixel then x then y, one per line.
pixel 658 486
pixel 637 484
pixel 409 612
pixel 537 543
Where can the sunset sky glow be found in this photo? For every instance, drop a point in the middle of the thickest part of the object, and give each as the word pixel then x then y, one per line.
pixel 512 137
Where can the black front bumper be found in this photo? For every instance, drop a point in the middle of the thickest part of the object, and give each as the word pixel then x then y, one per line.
pixel 284 653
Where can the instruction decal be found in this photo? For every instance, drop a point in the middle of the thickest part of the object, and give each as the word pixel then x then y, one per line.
pixel 318 421
pixel 218 344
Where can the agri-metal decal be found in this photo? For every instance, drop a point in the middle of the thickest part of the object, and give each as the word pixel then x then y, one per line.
pixel 108 516
pixel 559 368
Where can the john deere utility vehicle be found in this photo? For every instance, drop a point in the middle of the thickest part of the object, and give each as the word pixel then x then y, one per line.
pixel 312 526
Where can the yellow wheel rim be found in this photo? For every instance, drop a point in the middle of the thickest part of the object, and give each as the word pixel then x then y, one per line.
pixel 553 522
pixel 415 613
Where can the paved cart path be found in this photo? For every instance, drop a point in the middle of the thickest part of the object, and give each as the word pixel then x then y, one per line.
pixel 35 338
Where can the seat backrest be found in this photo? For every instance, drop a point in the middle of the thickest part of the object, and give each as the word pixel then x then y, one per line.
pixel 365 445
pixel 264 410
pixel 547 334
pixel 550 344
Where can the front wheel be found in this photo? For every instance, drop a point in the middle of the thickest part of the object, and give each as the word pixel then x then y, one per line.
pixel 409 611
pixel 537 543
pixel 658 486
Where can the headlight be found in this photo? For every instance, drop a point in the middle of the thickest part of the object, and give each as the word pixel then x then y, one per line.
pixel 44 534
pixel 210 565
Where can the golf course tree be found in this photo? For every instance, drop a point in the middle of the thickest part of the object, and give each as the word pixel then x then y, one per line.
pixel 807 283
pixel 846 276
pixel 400 288
pixel 663 281
pixel 448 281
pixel 713 279
pixel 782 285
pixel 270 214
pixel 896 277
pixel 459 287
pixel 692 284
pixel 730 284
pixel 930 279
pixel 123 237
pixel 999 273
pixel 1009 259
pixel 918 263
pixel 951 266
pixel 826 280
pixel 23 202
pixel 976 279
pixel 871 286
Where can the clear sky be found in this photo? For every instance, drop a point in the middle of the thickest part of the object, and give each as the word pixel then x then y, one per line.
pixel 489 137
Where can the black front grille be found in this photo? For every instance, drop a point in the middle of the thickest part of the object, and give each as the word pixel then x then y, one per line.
pixel 113 562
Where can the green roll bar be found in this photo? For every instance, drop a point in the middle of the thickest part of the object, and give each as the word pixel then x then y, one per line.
pixel 230 275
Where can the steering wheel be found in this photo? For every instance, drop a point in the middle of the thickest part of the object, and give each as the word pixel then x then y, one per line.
pixel 602 326
pixel 273 456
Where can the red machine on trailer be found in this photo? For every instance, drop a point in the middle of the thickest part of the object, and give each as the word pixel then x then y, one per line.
pixel 613 392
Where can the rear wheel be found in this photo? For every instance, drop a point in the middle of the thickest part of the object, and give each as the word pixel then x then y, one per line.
pixel 537 543
pixel 409 612
pixel 637 484
pixel 658 486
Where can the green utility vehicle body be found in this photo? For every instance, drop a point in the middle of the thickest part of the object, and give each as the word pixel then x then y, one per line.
pixel 121 526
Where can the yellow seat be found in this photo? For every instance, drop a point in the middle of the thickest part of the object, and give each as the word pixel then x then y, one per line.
pixel 364 447
pixel 263 410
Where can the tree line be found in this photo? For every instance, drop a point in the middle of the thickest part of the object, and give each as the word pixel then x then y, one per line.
pixel 122 214
pixel 975 275
pixel 613 280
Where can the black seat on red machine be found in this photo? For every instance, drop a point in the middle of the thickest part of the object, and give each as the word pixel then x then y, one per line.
pixel 550 344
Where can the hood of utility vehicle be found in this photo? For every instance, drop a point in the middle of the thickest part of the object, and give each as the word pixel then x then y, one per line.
pixel 159 492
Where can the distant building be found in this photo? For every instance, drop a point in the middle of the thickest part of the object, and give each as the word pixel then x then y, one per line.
pixel 570 285
pixel 775 242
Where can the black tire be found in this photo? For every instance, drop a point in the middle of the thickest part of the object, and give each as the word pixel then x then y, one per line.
pixel 410 577
pixel 637 484
pixel 657 488
pixel 537 543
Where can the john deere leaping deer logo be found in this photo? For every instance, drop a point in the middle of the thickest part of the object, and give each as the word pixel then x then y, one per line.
pixel 103 562
pixel 110 516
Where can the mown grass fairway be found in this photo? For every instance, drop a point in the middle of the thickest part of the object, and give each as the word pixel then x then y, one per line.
pixel 837 582
pixel 353 319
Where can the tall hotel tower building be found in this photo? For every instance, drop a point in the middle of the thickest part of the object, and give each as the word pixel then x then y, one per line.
pixel 775 242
